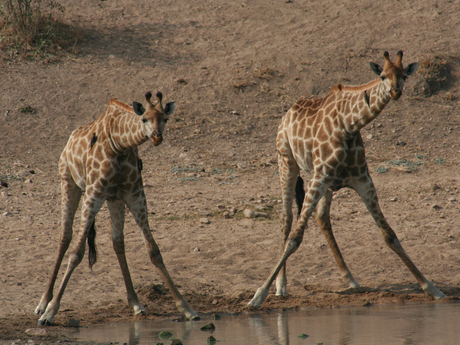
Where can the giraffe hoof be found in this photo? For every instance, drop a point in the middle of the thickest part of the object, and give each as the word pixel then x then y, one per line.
pixel 44 322
pixel 195 318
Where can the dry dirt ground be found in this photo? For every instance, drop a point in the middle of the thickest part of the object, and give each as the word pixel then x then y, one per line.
pixel 234 68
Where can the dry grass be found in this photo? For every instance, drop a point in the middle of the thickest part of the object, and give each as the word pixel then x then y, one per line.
pixel 31 30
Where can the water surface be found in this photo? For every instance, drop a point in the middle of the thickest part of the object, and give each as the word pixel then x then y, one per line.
pixel 434 323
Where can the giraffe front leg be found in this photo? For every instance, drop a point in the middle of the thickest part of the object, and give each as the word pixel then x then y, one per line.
pixel 117 214
pixel 316 189
pixel 138 208
pixel 368 194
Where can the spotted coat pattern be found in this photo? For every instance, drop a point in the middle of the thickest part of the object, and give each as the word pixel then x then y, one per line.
pixel 101 163
pixel 321 137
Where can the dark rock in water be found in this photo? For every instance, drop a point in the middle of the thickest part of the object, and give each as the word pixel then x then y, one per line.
pixel 165 335
pixel 215 317
pixel 303 336
pixel 211 340
pixel 209 327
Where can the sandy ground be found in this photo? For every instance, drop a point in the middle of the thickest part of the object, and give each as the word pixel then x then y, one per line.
pixel 234 68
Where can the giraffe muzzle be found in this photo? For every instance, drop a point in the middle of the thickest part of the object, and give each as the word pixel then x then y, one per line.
pixel 157 140
pixel 395 93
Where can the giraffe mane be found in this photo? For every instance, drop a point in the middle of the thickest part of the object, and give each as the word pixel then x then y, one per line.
pixel 121 105
pixel 340 87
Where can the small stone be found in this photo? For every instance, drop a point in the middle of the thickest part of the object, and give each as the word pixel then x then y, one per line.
pixel 205 221
pixel 208 327
pixel 241 165
pixel 176 342
pixel 249 213
pixel 215 317
pixel 303 336
pixel 221 207
pixel 369 136
pixel 436 207
pixel 227 215
pixel 6 214
pixel 394 199
pixel 196 249
pixel 36 331
pixel 165 335
pixel 214 301
pixel 211 340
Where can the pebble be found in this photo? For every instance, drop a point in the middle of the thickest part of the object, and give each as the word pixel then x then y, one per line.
pixel 248 213
pixel 205 221
pixel 36 331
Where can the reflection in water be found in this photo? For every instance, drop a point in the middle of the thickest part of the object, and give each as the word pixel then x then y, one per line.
pixel 435 323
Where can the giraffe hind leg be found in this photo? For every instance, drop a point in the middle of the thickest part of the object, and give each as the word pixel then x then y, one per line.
pixel 71 195
pixel 291 184
pixel 323 220
pixel 90 209
pixel 117 214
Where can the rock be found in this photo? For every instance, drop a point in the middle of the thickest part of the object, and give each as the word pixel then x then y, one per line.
pixel 165 335
pixel 249 213
pixel 36 331
pixel 215 317
pixel 209 327
pixel 211 340
pixel 254 214
pixel 205 221
pixel 176 342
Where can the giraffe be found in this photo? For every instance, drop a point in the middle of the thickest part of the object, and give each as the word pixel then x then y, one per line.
pixel 101 161
pixel 321 136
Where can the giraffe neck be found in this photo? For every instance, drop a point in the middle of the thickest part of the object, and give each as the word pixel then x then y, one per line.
pixel 126 131
pixel 366 103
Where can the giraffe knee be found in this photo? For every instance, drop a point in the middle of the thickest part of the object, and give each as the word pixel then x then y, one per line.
pixel 76 258
pixel 292 245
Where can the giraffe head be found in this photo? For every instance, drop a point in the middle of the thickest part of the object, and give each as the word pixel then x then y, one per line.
pixel 394 74
pixel 154 117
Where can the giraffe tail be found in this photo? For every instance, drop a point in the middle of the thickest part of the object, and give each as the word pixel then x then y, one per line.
pixel 299 194
pixel 92 252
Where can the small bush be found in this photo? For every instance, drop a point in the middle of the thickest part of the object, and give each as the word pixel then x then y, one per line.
pixel 31 29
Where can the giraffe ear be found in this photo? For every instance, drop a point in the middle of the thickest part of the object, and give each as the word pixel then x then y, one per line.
pixel 376 68
pixel 409 70
pixel 169 108
pixel 138 108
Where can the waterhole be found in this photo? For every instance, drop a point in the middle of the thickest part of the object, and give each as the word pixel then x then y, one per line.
pixel 434 323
